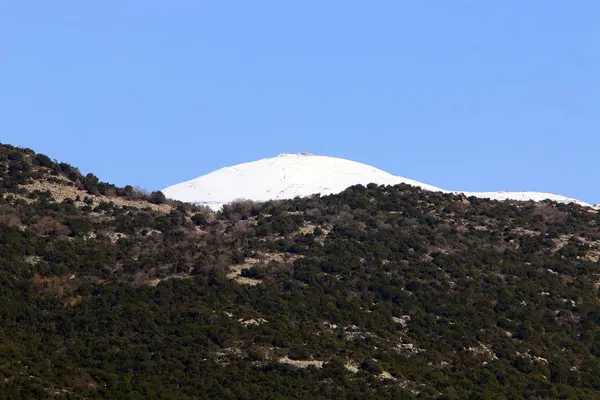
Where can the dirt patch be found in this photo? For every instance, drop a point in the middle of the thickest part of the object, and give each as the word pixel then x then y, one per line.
pixel 308 228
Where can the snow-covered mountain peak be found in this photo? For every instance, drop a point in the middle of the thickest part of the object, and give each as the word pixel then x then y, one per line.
pixel 303 174
pixel 295 155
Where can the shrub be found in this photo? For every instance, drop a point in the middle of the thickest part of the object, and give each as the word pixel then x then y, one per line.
pixel 200 219
pixel 158 197
pixel 79 227
pixel 43 160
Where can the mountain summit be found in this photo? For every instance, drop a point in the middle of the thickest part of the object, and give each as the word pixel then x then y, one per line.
pixel 282 177
pixel 303 174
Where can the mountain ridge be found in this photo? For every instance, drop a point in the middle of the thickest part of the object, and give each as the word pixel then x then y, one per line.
pixel 288 175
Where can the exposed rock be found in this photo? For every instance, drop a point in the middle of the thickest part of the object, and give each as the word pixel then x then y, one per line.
pixel 403 320
pixel 254 321
pixel 352 367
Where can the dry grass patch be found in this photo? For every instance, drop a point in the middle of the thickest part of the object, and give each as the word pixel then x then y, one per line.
pixel 62 192
pixel 301 363
pixel 260 260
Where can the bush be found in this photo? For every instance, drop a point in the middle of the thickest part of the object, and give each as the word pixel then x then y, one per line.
pixel 200 219
pixel 43 160
pixel 371 366
pixel 253 272
pixel 79 227
pixel 158 197
pixel 299 353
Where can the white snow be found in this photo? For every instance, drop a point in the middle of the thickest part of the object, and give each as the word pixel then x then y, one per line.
pixel 289 175
pixel 525 196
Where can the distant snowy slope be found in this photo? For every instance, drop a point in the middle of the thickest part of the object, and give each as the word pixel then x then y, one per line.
pixel 289 175
pixel 525 196
pixel 283 177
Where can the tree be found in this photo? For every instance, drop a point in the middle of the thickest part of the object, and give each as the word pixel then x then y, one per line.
pixel 90 183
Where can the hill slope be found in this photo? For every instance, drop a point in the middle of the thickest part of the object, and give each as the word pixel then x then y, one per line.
pixel 374 293
pixel 298 175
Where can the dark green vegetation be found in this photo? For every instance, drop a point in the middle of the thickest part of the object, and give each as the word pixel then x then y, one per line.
pixel 109 293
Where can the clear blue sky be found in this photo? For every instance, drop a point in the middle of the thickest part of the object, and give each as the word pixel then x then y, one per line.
pixel 470 95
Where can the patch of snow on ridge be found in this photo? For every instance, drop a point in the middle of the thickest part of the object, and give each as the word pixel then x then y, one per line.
pixel 290 175
pixel 525 196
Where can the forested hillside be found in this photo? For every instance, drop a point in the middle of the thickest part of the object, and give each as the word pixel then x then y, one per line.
pixel 379 292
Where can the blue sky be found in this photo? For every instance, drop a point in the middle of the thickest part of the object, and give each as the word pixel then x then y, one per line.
pixel 470 95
